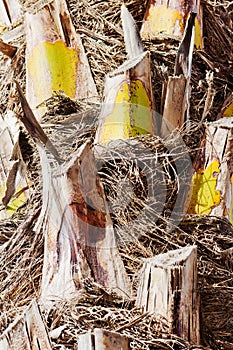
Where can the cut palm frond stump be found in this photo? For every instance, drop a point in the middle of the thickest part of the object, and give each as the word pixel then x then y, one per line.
pixel 177 90
pixel 14 185
pixel 55 58
pixel 103 340
pixel 79 235
pixel 168 287
pixel 26 332
pixel 128 102
pixel 164 18
pixel 128 108
pixel 212 182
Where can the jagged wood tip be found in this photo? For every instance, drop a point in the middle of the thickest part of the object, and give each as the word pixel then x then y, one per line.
pixel 33 127
pixel 132 38
pixel 183 62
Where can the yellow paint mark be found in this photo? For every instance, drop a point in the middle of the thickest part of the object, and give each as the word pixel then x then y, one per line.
pixel 2 28
pixel 16 201
pixel 53 67
pixel 163 20
pixel 198 35
pixel 204 194
pixel 228 111
pixel 131 114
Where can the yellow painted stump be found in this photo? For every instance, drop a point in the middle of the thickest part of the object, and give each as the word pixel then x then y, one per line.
pixel 212 183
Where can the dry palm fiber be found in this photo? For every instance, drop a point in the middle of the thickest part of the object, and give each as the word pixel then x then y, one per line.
pixel 213 237
pixel 22 247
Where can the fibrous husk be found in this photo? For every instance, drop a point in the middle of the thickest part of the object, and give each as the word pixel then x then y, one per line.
pixel 22 248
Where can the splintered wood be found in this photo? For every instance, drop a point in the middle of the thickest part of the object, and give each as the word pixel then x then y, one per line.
pixel 55 57
pixel 14 186
pixel 128 102
pixel 27 332
pixel 212 182
pixel 177 90
pixel 128 97
pixel 79 235
pixel 168 287
pixel 103 340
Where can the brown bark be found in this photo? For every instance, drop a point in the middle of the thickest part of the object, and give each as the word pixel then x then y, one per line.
pixel 103 340
pixel 168 287
pixel 8 50
pixel 175 105
pixel 26 332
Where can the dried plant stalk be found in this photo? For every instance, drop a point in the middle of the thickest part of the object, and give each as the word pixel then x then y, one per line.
pixel 168 287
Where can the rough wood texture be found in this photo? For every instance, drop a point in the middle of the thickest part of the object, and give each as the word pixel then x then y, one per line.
pixel 167 18
pixel 103 340
pixel 33 127
pixel 128 97
pixel 176 106
pixel 55 51
pixel 79 236
pixel 212 191
pixel 227 108
pixel 128 102
pixel 168 287
pixel 27 332
pixel 14 186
